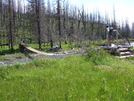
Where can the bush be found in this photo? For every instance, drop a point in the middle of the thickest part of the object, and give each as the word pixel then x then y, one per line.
pixel 98 56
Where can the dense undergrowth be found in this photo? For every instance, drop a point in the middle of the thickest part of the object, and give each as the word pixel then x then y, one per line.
pixel 96 76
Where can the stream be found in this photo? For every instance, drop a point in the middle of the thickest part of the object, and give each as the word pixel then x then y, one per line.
pixel 11 62
pixel 31 57
pixel 56 55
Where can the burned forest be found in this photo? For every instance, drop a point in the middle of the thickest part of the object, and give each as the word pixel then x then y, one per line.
pixel 45 22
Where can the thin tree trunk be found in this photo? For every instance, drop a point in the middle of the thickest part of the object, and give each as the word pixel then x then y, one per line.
pixel 38 22
pixel 59 23
pixel 10 26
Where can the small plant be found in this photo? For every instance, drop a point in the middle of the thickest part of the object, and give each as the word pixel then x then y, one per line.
pixel 104 85
pixel 98 56
pixel 72 78
pixel 1 58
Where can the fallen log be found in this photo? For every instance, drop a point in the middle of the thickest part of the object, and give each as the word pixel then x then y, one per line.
pixel 4 44
pixel 23 46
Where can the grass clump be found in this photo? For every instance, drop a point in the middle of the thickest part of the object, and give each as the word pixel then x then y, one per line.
pixel 94 77
pixel 12 56
pixel 99 56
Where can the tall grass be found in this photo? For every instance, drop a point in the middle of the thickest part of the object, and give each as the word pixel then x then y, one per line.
pixel 94 77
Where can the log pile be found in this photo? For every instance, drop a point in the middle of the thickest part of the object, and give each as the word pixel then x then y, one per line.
pixel 122 51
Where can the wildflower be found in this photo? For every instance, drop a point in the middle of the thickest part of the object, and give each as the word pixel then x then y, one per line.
pixel 97 99
pixel 84 87
pixel 70 96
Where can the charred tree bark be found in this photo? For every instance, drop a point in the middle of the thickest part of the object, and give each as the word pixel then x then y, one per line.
pixel 59 22
pixel 10 26
pixel 38 22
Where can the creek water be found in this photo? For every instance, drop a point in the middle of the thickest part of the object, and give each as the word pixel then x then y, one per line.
pixel 11 62
pixel 26 60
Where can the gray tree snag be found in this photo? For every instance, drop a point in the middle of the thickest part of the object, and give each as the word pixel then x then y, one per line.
pixel 10 25
pixel 59 21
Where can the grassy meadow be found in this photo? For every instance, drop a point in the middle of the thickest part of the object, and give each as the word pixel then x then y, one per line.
pixel 96 76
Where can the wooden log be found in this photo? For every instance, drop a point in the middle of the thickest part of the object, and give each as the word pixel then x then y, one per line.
pixel 125 56
pixel 21 47
pixel 124 46
pixel 125 53
pixel 123 49
pixel 4 44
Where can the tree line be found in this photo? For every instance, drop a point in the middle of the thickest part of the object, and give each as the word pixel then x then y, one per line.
pixel 45 22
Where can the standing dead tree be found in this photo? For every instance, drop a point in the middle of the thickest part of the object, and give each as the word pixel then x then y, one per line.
pixel 10 10
pixel 65 16
pixel 49 21
pixel 36 7
pixel 59 21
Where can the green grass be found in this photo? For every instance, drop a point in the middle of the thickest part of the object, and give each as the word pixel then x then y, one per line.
pixel 76 78
pixel 6 50
pixel 12 56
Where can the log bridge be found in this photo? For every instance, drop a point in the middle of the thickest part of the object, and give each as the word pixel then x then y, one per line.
pixel 23 46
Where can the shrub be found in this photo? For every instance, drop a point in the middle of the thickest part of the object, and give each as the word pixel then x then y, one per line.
pixel 98 56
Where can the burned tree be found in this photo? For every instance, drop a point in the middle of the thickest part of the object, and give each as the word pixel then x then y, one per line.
pixel 10 9
pixel 36 9
pixel 59 21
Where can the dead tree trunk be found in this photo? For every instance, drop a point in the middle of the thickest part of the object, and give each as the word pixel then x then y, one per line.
pixel 10 26
pixel 38 22
pixel 59 22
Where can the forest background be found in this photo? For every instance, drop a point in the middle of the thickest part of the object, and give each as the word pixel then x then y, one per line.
pixel 46 23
